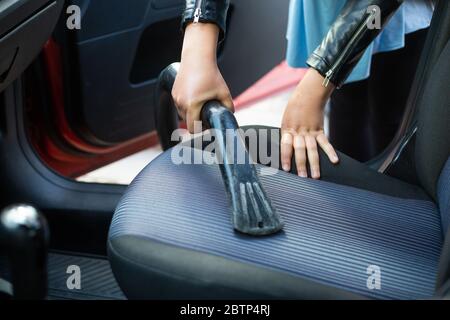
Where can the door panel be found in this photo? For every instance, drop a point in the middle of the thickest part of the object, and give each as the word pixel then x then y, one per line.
pixel 115 48
pixel 25 25
pixel 123 45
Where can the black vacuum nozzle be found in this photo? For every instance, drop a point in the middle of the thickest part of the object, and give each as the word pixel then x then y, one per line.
pixel 252 211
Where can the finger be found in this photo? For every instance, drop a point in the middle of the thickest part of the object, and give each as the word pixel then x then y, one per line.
pixel 327 148
pixel 300 155
pixel 193 121
pixel 286 151
pixel 181 111
pixel 227 101
pixel 313 156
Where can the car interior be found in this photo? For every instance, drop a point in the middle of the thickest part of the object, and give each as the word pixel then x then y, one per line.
pixel 74 100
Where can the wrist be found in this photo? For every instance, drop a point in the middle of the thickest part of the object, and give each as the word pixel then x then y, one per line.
pixel 311 86
pixel 200 42
pixel 310 94
pixel 318 80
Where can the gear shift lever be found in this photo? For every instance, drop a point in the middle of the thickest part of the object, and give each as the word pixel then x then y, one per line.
pixel 24 237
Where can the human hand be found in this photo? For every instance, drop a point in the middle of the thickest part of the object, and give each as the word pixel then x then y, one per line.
pixel 199 79
pixel 302 127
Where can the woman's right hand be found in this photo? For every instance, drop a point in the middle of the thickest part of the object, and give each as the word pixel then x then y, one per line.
pixel 199 79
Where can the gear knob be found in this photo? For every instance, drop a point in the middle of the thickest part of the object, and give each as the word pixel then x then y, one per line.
pixel 24 236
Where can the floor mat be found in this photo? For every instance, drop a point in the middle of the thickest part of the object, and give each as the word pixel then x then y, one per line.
pixel 96 281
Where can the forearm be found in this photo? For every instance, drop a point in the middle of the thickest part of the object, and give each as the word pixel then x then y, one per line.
pixel 348 38
pixel 199 79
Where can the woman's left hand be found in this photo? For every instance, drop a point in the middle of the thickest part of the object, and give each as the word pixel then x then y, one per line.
pixel 302 127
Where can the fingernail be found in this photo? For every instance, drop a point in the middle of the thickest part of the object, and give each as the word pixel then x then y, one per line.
pixel 286 167
pixel 286 138
pixel 335 159
pixel 315 175
pixel 303 174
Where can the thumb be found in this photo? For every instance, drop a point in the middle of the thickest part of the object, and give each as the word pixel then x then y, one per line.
pixel 227 101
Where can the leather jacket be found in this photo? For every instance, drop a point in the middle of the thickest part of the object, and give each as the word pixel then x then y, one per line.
pixel 213 11
pixel 342 47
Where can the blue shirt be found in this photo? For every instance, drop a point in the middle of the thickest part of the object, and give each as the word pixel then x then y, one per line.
pixel 310 20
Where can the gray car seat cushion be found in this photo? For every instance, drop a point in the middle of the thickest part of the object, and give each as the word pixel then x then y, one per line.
pixel 333 233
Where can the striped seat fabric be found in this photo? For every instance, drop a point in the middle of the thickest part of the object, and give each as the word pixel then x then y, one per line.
pixel 333 233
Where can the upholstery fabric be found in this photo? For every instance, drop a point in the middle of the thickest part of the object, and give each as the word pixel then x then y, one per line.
pixel 333 233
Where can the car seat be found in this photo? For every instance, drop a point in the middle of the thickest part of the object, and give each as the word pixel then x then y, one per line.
pixel 171 237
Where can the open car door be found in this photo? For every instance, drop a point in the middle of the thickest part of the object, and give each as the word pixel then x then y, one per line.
pixel 111 64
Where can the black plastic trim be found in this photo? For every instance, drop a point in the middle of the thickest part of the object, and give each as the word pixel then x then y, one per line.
pixel 79 214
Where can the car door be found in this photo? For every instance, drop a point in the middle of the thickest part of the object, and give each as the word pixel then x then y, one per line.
pixel 25 25
pixel 110 65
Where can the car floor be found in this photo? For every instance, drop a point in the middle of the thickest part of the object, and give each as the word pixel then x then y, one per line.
pixel 96 280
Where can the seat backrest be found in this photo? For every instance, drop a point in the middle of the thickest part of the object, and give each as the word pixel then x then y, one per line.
pixel 432 152
pixel 433 130
pixel 443 192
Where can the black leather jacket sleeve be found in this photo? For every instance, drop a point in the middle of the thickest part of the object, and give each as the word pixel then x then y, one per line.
pixel 212 11
pixel 342 47
pixel 348 38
